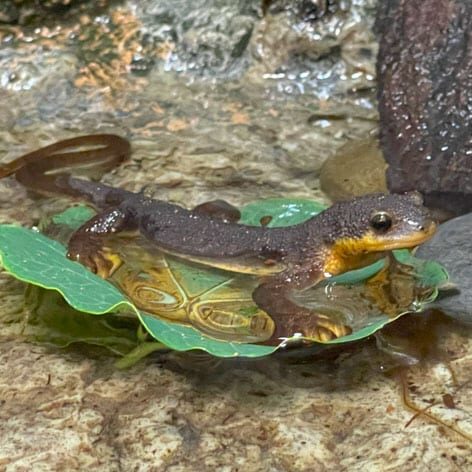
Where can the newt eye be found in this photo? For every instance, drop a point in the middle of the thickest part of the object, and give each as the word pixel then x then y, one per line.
pixel 381 221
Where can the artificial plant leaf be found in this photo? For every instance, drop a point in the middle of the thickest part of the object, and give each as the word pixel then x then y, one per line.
pixel 74 216
pixel 215 302
pixel 32 257
pixel 281 211
pixel 36 259
pixel 433 274
pixel 185 338
pixel 52 321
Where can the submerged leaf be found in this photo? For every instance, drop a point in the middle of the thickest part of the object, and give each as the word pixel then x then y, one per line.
pixel 185 338
pixel 52 321
pixel 280 211
pixel 36 259
pixel 73 216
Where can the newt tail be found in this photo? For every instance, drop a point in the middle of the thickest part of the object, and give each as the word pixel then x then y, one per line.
pixel 43 170
pixel 286 260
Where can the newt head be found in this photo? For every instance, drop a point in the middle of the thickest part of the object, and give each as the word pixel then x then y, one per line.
pixel 360 230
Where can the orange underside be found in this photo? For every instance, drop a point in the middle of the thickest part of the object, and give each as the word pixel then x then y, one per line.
pixel 349 253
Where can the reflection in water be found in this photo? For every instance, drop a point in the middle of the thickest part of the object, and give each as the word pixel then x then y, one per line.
pixel 395 289
pixel 421 359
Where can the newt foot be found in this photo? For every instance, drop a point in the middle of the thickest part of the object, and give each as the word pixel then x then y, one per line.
pixel 321 328
pixel 100 260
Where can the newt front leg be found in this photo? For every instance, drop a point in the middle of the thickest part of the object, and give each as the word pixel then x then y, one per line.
pixel 274 297
pixel 87 244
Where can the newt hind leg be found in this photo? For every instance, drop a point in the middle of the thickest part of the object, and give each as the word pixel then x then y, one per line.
pixel 219 209
pixel 291 318
pixel 87 244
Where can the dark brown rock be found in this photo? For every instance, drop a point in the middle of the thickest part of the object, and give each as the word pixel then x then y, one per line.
pixel 425 99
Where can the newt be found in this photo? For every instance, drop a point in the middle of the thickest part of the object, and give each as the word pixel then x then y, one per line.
pixel 288 260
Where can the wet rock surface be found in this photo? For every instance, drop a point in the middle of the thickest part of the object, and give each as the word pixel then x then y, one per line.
pixel 425 99
pixel 452 247
pixel 30 12
pixel 72 409
pixel 298 89
pixel 356 169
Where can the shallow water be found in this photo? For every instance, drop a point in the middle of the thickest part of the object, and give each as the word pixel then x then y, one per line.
pixel 219 101
pixel 249 121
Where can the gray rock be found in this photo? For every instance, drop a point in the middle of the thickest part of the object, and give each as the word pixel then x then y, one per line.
pixel 452 247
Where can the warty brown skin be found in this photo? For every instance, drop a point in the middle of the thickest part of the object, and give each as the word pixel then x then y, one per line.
pixel 286 259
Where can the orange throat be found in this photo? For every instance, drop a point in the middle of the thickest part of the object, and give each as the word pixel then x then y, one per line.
pixel 351 253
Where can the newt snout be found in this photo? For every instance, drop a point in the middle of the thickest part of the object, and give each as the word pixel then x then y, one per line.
pixel 372 225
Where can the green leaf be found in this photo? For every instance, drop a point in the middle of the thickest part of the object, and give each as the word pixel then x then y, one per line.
pixel 74 216
pixel 52 321
pixel 359 275
pixel 36 259
pixel 283 211
pixel 368 330
pixel 185 338
pixel 432 274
